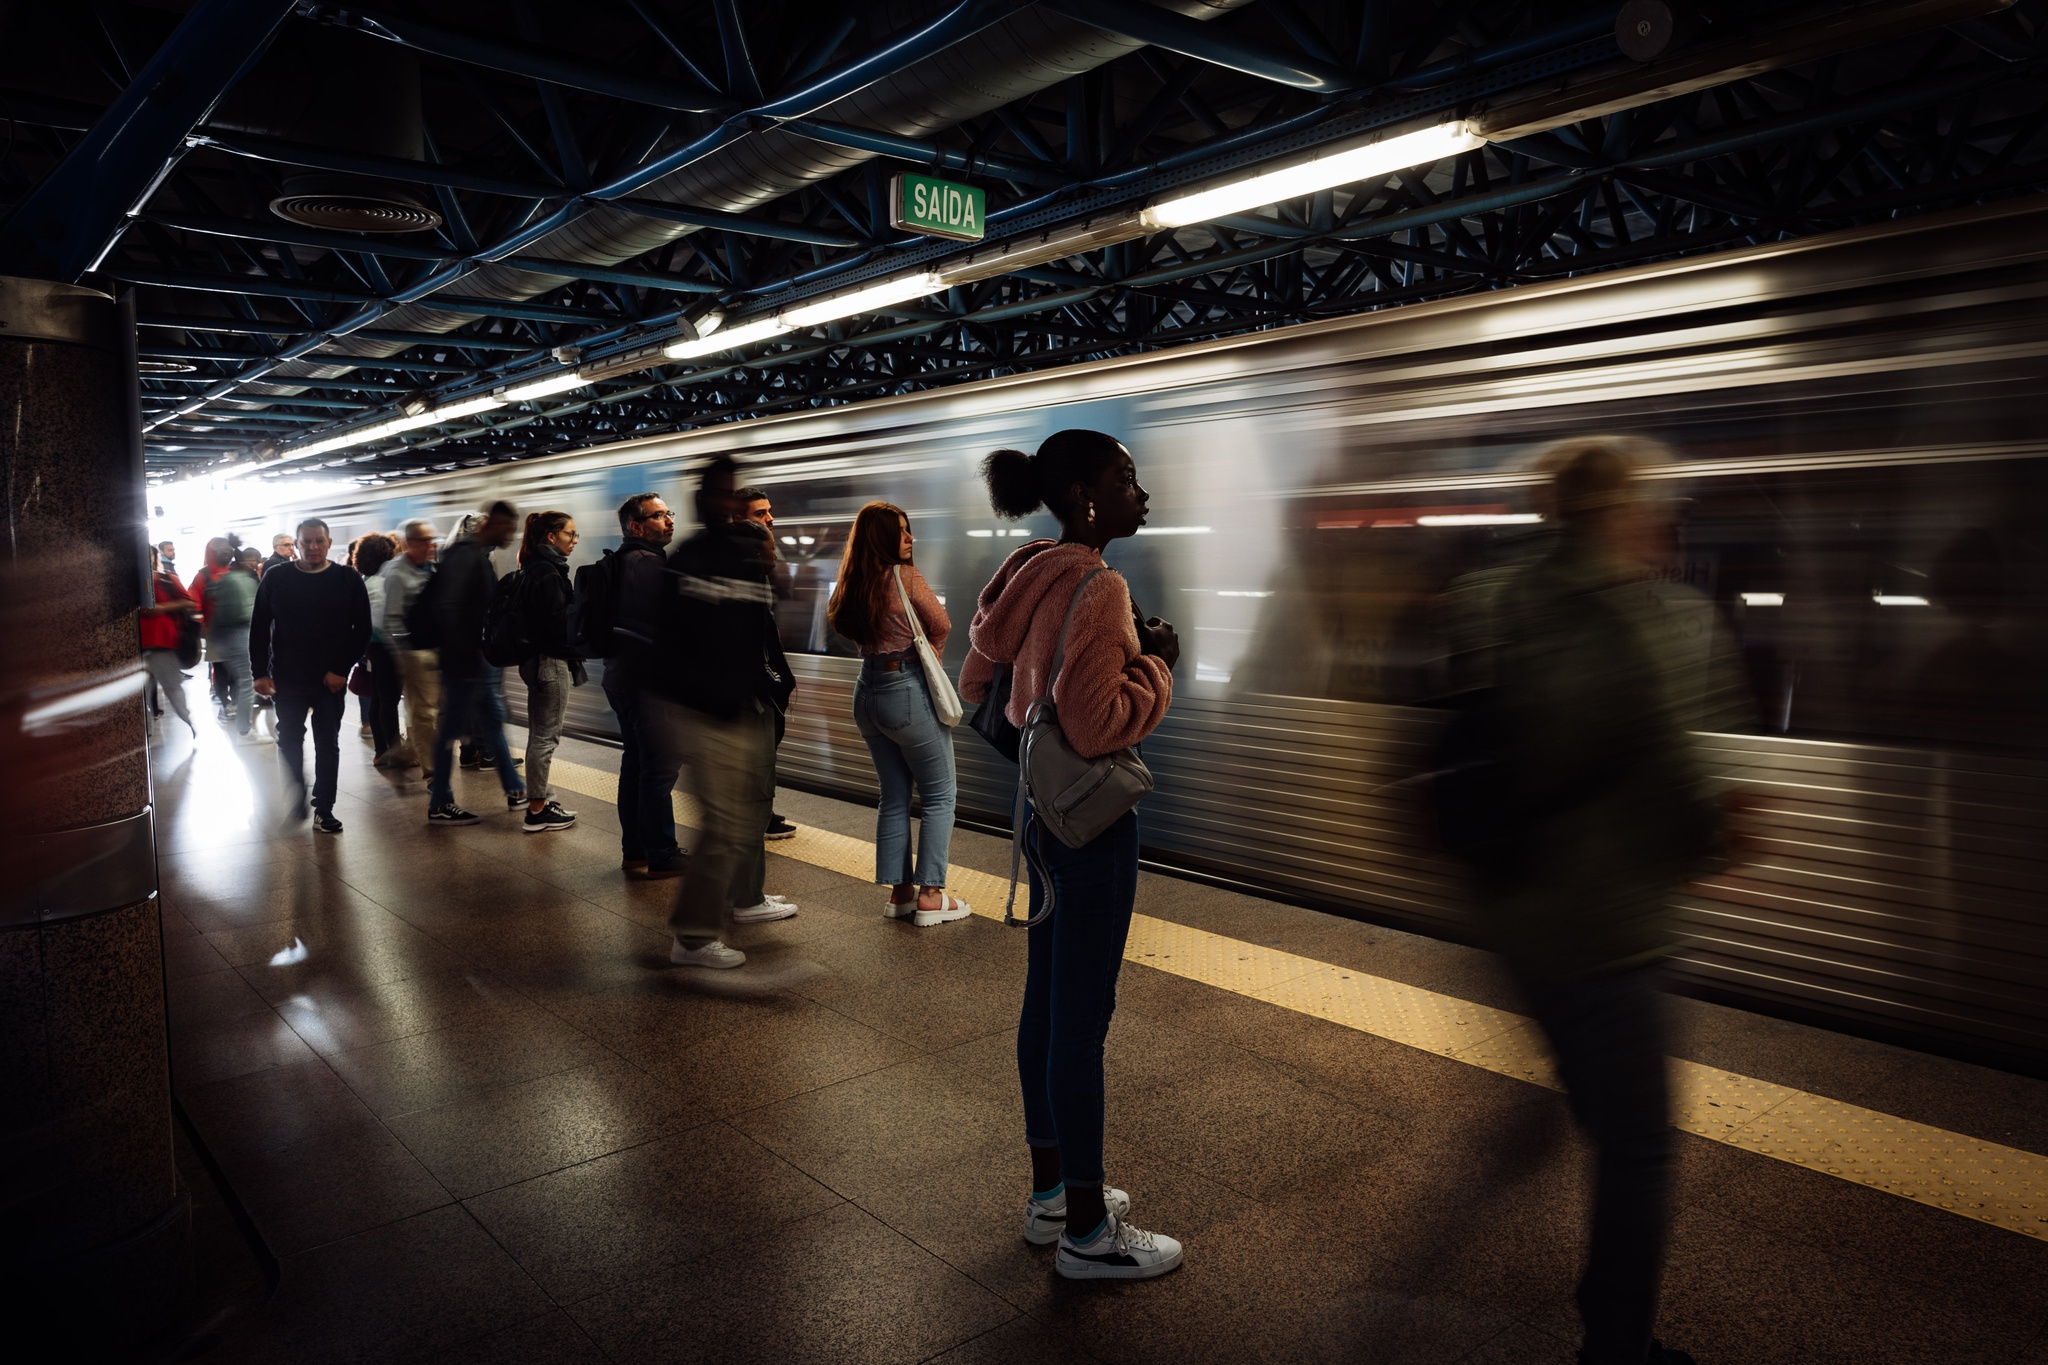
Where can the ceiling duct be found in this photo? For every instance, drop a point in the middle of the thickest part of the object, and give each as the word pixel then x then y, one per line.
pixel 1027 52
pixel 346 91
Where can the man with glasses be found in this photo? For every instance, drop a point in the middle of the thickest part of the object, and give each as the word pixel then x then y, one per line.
pixel 419 675
pixel 647 765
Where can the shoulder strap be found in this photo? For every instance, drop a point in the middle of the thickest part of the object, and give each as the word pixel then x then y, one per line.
pixel 1059 654
pixel 916 626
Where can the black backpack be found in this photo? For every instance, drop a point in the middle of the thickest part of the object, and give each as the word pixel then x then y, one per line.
pixel 423 617
pixel 506 641
pixel 1481 819
pixel 596 609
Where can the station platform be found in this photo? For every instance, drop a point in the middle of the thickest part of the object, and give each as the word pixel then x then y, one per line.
pixel 452 1103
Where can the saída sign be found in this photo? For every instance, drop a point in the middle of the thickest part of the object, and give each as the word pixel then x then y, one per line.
pixel 937 208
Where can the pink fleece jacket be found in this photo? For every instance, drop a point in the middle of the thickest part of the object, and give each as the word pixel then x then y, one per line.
pixel 1109 695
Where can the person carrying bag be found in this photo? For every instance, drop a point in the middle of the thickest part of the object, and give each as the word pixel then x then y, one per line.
pixel 905 707
pixel 1088 681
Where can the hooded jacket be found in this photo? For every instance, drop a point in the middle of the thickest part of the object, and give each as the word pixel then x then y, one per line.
pixel 719 651
pixel 1109 694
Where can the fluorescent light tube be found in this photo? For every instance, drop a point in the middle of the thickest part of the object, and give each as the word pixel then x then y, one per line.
pixel 726 339
pixel 1173 530
pixel 901 289
pixel 545 387
pixel 1892 600
pixel 1763 599
pixel 1319 173
pixel 1479 519
pixel 468 407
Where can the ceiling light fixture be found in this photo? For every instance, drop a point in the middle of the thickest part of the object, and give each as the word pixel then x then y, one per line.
pixel 726 339
pixel 881 294
pixel 545 387
pixel 1323 172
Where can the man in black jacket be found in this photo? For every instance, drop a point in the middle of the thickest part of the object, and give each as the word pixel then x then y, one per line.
pixel 720 668
pixel 469 706
pixel 647 763
pixel 310 624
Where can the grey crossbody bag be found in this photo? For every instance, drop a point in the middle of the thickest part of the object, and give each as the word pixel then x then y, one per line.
pixel 1075 798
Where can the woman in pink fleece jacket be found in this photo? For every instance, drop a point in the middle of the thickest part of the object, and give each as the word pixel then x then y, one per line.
pixel 1112 690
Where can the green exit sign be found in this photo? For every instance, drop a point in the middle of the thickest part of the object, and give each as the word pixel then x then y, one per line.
pixel 937 208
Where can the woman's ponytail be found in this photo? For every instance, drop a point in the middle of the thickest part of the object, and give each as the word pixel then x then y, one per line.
pixel 1012 484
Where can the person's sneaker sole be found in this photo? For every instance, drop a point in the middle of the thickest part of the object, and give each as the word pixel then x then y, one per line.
pixel 454 820
pixel 687 957
pixel 545 826
pixel 774 834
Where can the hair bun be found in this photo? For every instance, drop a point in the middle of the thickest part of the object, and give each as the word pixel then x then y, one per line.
pixel 1012 483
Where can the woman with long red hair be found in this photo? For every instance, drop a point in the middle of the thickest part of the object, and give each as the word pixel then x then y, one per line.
pixel 892 705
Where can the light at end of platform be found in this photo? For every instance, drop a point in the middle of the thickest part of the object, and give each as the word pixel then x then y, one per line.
pixel 1324 172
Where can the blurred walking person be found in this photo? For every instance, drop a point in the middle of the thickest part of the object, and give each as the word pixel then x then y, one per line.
pixel 1111 686
pixel 1601 809
pixel 220 557
pixel 877 590
pixel 552 668
pixel 231 595
pixel 623 616
pixel 163 624
pixel 722 673
pixel 419 670
pixel 757 507
pixel 309 625
pixel 470 708
pixel 372 553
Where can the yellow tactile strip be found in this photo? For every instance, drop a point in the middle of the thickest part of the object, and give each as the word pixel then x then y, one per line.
pixel 2002 1186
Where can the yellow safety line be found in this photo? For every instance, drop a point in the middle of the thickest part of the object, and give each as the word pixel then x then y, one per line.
pixel 2002 1186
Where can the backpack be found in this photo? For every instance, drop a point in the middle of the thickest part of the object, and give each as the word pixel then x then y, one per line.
pixel 506 641
pixel 423 617
pixel 596 608
pixel 1480 818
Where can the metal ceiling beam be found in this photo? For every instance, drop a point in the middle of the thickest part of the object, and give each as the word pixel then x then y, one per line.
pixel 644 279
pixel 260 148
pixel 1172 32
pixel 70 221
pixel 534 63
pixel 733 222
pixel 291 234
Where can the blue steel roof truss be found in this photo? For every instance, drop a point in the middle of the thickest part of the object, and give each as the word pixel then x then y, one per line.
pixel 568 110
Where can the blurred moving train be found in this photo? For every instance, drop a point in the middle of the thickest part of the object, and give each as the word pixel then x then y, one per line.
pixel 1858 427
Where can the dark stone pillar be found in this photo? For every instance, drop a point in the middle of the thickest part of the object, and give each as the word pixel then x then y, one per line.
pixel 96 1232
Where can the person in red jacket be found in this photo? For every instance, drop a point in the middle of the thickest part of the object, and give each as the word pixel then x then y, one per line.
pixel 220 556
pixel 160 625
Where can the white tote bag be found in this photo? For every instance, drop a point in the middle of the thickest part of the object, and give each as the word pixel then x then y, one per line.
pixel 945 701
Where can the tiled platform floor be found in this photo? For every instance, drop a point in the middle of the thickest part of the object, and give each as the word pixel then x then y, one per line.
pixel 477 1117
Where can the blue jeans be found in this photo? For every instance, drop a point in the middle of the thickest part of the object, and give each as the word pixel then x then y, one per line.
pixel 233 662
pixel 1070 991
pixel 894 713
pixel 1610 1036
pixel 471 708
pixel 647 776
pixel 296 702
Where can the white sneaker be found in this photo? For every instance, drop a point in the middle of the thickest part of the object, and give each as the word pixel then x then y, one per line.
pixel 774 899
pixel 770 909
pixel 1118 1252
pixel 1045 1221
pixel 712 954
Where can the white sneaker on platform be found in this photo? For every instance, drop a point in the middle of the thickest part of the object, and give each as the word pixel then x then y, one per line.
pixel 770 909
pixel 712 954
pixel 1045 1220
pixel 1118 1252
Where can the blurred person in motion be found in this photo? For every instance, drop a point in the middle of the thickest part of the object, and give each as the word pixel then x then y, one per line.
pixel 231 595
pixel 892 706
pixel 1113 688
pixel 757 507
pixel 722 677
pixel 309 625
pixel 220 556
pixel 419 670
pixel 469 705
pixel 1599 810
pixel 162 624
pixel 552 668
pixel 283 549
pixel 636 588
pixel 372 553
pixel 474 752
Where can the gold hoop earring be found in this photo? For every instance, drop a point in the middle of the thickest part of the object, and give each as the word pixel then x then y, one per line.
pixel 1090 515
